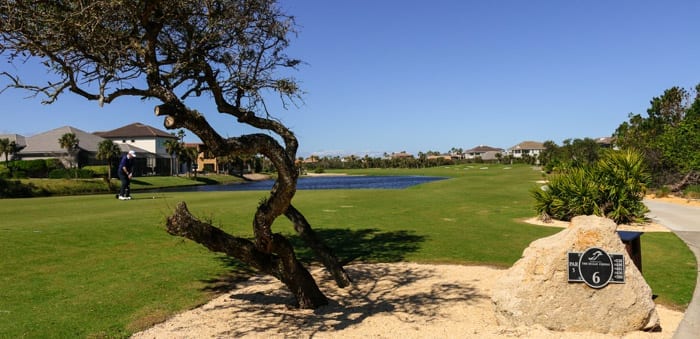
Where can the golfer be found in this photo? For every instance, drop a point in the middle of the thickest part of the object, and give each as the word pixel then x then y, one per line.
pixel 126 171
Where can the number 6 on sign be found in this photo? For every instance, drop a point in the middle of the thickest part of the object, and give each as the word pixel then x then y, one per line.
pixel 596 267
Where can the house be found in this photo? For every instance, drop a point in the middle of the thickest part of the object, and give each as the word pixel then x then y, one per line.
pixel 401 155
pixel 525 149
pixel 19 140
pixel 440 157
pixel 149 144
pixel 312 159
pixel 46 146
pixel 483 152
pixel 606 142
pixel 206 162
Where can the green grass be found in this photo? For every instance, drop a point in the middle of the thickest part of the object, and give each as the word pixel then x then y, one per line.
pixel 93 266
pixel 692 192
pixel 667 264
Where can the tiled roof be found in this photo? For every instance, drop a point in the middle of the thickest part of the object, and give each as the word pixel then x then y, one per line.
pixel 47 142
pixel 528 145
pixel 401 155
pixel 605 140
pixel 135 130
pixel 483 148
pixel 18 139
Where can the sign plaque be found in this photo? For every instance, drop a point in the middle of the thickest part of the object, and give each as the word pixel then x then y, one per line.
pixel 596 268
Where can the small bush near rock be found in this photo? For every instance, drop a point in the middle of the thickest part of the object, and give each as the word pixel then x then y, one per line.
pixel 613 187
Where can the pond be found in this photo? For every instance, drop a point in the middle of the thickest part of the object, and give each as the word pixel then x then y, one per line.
pixel 316 183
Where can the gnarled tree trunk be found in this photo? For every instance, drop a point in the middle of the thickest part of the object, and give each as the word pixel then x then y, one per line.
pixel 323 252
pixel 282 264
pixel 173 52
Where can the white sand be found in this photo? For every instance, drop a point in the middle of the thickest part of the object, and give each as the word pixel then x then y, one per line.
pixel 401 300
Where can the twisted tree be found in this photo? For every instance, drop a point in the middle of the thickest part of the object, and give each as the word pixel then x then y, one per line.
pixel 171 52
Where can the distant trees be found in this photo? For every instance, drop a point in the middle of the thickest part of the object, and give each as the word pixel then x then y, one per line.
pixel 337 162
pixel 188 155
pixel 572 153
pixel 403 160
pixel 660 148
pixel 6 149
pixel 172 147
pixel 668 137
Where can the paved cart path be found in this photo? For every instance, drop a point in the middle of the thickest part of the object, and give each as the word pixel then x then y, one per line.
pixel 684 221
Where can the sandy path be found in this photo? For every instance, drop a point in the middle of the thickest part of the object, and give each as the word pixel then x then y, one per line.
pixel 387 301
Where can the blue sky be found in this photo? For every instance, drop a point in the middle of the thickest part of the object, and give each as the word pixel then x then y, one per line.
pixel 397 75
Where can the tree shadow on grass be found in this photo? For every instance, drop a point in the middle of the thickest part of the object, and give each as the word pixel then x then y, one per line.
pixel 364 245
pixel 139 182
pixel 237 272
pixel 206 181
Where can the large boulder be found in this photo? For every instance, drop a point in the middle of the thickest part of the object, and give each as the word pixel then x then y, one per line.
pixel 535 290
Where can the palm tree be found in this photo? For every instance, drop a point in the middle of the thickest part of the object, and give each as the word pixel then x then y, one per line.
pixel 107 150
pixel 69 142
pixel 189 155
pixel 8 148
pixel 5 149
pixel 172 147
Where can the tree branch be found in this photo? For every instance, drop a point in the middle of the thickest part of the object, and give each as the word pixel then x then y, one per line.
pixel 284 267
pixel 182 223
pixel 323 252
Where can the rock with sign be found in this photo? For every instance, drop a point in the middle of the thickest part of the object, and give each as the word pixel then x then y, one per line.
pixel 536 290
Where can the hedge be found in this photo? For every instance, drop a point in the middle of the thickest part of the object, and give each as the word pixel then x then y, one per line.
pixel 63 173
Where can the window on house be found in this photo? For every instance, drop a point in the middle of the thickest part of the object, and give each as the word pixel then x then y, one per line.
pixel 151 162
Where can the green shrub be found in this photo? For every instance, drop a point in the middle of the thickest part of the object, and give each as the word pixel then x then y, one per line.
pixel 18 174
pixel 63 173
pixel 97 171
pixel 613 187
pixel 662 192
pixel 32 168
pixel 623 179
pixel 83 173
pixel 4 172
pixel 567 195
pixel 15 189
pixel 692 192
pixel 53 163
pixel 59 174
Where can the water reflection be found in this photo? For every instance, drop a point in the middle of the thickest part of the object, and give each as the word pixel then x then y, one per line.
pixel 316 183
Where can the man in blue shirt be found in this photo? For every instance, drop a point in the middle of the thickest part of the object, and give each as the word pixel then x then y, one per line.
pixel 126 171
